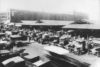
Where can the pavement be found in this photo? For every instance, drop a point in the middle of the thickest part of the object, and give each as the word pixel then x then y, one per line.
pixel 84 58
pixel 35 49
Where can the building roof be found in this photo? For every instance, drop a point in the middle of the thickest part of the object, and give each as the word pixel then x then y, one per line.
pixel 83 26
pixel 46 22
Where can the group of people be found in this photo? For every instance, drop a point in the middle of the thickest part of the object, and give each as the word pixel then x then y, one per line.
pixel 11 37
pixel 75 44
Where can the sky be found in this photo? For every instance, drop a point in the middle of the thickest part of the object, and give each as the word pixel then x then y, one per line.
pixel 89 7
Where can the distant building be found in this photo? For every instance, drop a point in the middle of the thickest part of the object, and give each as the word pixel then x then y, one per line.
pixel 18 15
pixel 4 17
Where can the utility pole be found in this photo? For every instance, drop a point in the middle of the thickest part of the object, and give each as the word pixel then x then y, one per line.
pixel 99 8
pixel 9 16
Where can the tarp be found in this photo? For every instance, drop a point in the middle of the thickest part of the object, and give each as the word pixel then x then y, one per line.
pixel 56 49
pixel 15 59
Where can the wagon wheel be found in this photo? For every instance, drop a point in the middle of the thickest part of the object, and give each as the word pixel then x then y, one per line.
pixel 79 51
pixel 98 54
pixel 76 52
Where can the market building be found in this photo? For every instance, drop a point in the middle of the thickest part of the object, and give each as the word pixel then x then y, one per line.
pixel 14 15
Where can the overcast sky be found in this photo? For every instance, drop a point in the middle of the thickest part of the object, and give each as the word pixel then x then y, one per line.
pixel 90 7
